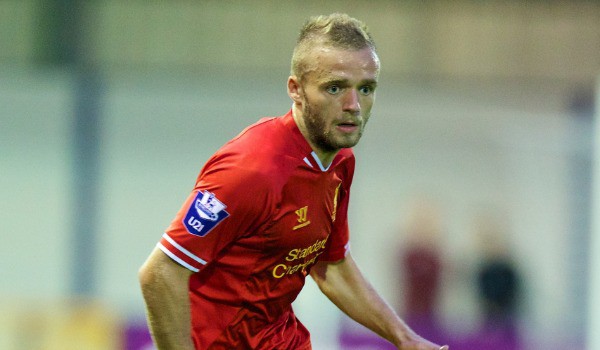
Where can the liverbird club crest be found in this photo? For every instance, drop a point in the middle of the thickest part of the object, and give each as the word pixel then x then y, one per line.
pixel 204 214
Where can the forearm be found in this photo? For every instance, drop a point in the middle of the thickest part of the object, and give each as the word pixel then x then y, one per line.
pixel 356 297
pixel 369 309
pixel 165 290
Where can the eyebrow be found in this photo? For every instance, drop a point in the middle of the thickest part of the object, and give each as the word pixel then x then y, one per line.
pixel 372 82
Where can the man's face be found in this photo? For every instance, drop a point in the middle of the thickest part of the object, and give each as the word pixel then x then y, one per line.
pixel 337 94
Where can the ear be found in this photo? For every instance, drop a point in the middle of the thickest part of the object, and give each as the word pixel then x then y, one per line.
pixel 294 89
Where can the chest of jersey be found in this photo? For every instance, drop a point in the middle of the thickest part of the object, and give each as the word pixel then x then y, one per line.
pixel 273 261
pixel 306 212
pixel 302 223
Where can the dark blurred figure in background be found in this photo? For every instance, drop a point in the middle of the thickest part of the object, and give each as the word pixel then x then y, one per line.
pixel 498 287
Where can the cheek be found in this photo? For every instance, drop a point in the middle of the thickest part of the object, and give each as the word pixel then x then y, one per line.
pixel 366 119
pixel 321 107
pixel 331 107
pixel 367 102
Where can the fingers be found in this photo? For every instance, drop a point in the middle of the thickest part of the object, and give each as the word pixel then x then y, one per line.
pixel 445 347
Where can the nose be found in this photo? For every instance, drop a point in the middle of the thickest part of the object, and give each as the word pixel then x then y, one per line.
pixel 352 102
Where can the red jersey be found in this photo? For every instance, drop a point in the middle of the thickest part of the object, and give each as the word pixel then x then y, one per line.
pixel 263 211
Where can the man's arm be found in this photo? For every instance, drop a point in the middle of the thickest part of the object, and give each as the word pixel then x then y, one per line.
pixel 344 284
pixel 164 285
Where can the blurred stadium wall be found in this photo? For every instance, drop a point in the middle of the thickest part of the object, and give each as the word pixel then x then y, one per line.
pixel 483 106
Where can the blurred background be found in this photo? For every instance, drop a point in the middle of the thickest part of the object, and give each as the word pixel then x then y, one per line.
pixel 473 203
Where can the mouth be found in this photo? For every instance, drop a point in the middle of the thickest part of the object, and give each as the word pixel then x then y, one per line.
pixel 347 126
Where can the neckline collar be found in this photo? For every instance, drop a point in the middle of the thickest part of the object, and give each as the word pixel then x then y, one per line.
pixel 311 158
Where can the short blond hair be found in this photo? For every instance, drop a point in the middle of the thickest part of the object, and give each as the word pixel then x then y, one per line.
pixel 337 30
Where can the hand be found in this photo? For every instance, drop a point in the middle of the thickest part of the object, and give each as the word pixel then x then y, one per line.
pixel 421 344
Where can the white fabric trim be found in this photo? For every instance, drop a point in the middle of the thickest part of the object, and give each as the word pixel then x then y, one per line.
pixel 174 257
pixel 307 162
pixel 347 249
pixel 183 250
pixel 319 162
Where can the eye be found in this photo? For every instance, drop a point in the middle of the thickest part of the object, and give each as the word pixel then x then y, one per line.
pixel 366 90
pixel 333 89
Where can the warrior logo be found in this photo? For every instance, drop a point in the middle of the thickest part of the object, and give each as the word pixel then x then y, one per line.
pixel 302 218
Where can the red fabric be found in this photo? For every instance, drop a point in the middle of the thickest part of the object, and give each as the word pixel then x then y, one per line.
pixel 284 213
pixel 422 267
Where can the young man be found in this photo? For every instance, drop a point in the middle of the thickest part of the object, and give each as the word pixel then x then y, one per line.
pixel 270 208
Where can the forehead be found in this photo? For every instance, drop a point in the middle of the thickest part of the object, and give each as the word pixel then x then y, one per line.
pixel 327 63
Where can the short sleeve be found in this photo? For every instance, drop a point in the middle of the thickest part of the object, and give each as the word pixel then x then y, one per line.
pixel 227 202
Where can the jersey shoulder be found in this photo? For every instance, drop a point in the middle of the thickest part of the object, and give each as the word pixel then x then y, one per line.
pixel 261 155
pixel 345 164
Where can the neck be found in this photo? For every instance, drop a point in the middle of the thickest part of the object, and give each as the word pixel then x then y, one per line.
pixel 326 157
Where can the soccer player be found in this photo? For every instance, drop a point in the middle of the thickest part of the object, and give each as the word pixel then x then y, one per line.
pixel 269 208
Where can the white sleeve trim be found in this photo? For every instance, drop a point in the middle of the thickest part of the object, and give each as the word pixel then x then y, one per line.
pixel 183 250
pixel 174 257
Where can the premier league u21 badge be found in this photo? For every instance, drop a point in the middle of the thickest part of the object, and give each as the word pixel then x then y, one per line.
pixel 205 212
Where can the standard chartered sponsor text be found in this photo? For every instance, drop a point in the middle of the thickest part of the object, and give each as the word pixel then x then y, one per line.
pixel 316 248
